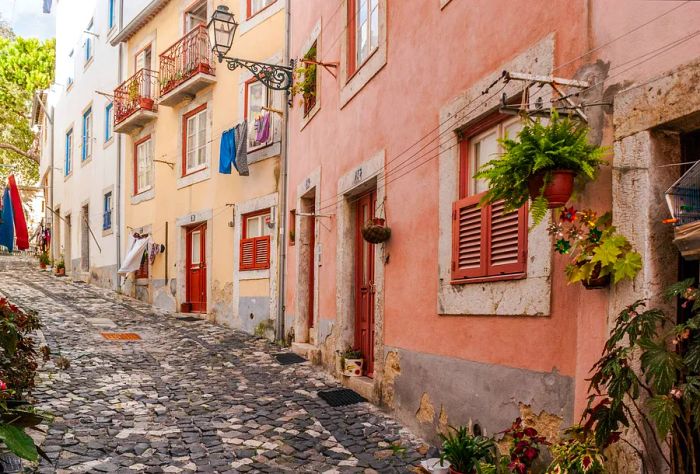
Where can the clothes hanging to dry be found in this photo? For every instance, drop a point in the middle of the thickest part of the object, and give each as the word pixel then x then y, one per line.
pixel 241 161
pixel 132 261
pixel 7 226
pixel 262 128
pixel 22 234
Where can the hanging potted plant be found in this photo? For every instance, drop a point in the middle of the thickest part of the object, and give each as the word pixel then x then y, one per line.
pixel 305 80
pixel 351 362
pixel 598 252
pixel 375 231
pixel 542 165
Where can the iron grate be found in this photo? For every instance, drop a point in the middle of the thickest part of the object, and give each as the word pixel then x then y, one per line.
pixel 341 397
pixel 121 336
pixel 287 358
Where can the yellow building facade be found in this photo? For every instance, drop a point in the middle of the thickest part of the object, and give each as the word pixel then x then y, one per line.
pixel 213 245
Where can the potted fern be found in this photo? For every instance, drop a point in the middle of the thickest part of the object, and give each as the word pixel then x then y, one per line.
pixel 542 165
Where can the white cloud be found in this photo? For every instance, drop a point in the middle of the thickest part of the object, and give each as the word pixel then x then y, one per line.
pixel 27 18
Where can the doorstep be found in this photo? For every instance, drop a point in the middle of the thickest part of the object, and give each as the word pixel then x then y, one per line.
pixel 307 351
pixel 362 385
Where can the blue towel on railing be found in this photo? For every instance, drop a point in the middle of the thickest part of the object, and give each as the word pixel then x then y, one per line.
pixel 7 222
pixel 227 151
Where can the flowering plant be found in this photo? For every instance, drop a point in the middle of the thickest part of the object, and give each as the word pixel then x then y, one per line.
pixel 525 446
pixel 595 247
pixel 576 453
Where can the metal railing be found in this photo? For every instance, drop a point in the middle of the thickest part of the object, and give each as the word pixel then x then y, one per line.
pixel 136 93
pixel 189 56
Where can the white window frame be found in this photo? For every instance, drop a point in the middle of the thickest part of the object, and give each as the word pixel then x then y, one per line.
pixel 144 166
pixel 199 136
pixel 369 27
pixel 250 115
pixel 256 6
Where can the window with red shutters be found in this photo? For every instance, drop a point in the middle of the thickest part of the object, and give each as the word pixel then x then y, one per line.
pixel 142 271
pixel 255 241
pixel 487 243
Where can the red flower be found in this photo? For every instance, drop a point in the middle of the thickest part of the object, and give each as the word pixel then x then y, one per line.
pixel 531 432
pixel 568 214
pixel 3 385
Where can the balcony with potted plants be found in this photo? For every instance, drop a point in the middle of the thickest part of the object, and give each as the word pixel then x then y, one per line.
pixel 186 67
pixel 134 101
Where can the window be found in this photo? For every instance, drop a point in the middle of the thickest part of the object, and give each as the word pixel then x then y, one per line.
pixel 311 89
pixel 68 167
pixel 257 97
pixel 487 244
pixel 109 122
pixel 71 70
pixel 110 14
pixel 107 212
pixel 87 45
pixel 86 151
pixel 143 165
pixel 194 146
pixel 195 16
pixel 255 241
pixel 256 6
pixel 363 28
pixel 142 271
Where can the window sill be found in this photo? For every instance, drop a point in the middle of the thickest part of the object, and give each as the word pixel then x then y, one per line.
pixel 191 171
pixel 106 232
pixel 86 161
pixel 253 274
pixel 107 143
pixel 487 279
pixel 259 11
pixel 67 176
pixel 363 74
pixel 265 152
pixel 312 113
pixel 88 63
pixel 194 177
pixel 146 195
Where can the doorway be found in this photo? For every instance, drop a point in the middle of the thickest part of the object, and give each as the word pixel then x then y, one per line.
pixel 67 244
pixel 196 268
pixel 364 282
pixel 85 239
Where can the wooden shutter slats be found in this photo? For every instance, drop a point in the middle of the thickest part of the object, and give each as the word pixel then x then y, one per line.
pixel 255 253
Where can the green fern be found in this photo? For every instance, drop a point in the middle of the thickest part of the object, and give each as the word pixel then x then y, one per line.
pixel 561 144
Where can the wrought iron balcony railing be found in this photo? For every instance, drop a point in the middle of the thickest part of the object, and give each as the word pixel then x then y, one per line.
pixel 136 93
pixel 189 56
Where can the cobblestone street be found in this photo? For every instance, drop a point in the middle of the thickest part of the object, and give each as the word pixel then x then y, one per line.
pixel 188 396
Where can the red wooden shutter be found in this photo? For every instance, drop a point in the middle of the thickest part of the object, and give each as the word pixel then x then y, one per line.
pixel 247 254
pixel 468 239
pixel 262 252
pixel 507 242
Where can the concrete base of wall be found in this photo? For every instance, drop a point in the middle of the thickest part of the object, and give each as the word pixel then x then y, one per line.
pixel 430 392
pixel 164 294
pixel 253 311
pixel 105 277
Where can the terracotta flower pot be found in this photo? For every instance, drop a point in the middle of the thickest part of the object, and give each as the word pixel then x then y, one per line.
pixel 145 103
pixel 42 265
pixel 60 271
pixel 452 471
pixel 559 189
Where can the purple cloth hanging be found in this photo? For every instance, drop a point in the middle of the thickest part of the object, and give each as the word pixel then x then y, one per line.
pixel 263 129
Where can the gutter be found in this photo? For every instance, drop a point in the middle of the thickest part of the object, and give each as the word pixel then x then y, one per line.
pixel 279 323
pixel 117 185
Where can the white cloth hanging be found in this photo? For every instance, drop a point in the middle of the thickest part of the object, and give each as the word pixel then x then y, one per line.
pixel 132 260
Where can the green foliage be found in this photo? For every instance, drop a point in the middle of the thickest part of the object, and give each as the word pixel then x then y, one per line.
pixel 18 442
pixel 305 76
pixel 576 453
pixel 467 453
pixel 598 249
pixel 666 387
pixel 61 264
pixel 26 65
pixel 44 258
pixel 561 144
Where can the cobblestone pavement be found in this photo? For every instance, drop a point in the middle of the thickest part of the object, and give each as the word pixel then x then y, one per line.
pixel 187 397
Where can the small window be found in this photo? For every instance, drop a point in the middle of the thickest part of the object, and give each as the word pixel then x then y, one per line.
pixel 110 13
pixel 363 31
pixel 86 148
pixel 142 271
pixel 195 129
pixel 143 165
pixel 68 165
pixel 196 252
pixel 255 240
pixel 88 44
pixel 71 70
pixel 487 243
pixel 256 6
pixel 107 212
pixel 109 122
pixel 257 97
pixel 311 87
pixel 292 226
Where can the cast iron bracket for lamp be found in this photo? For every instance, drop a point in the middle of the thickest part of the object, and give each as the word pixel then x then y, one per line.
pixel 273 76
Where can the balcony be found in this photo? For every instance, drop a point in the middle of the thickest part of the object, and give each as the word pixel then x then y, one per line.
pixel 134 104
pixel 186 67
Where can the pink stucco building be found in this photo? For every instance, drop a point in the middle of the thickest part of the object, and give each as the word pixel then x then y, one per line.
pixel 406 103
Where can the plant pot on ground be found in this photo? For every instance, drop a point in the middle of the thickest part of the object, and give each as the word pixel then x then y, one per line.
pixel 545 161
pixel 44 260
pixel 61 267
pixel 467 453
pixel 351 362
pixel 375 231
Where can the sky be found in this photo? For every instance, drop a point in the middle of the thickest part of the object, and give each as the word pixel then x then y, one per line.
pixel 27 19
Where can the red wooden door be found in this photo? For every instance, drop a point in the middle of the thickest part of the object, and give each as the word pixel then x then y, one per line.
pixel 364 284
pixel 312 266
pixel 197 269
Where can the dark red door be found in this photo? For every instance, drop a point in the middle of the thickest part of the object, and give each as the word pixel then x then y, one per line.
pixel 312 266
pixel 197 269
pixel 364 283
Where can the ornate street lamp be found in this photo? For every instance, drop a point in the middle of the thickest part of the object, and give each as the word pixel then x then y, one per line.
pixel 222 28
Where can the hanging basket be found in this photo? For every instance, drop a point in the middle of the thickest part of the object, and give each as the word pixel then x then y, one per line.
pixel 557 192
pixel 375 231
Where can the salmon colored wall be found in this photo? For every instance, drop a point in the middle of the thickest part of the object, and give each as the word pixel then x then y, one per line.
pixel 433 56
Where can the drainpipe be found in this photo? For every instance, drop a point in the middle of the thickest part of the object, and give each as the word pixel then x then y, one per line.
pixel 279 327
pixel 117 185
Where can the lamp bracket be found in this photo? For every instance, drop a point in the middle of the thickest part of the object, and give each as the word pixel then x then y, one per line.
pixel 273 76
